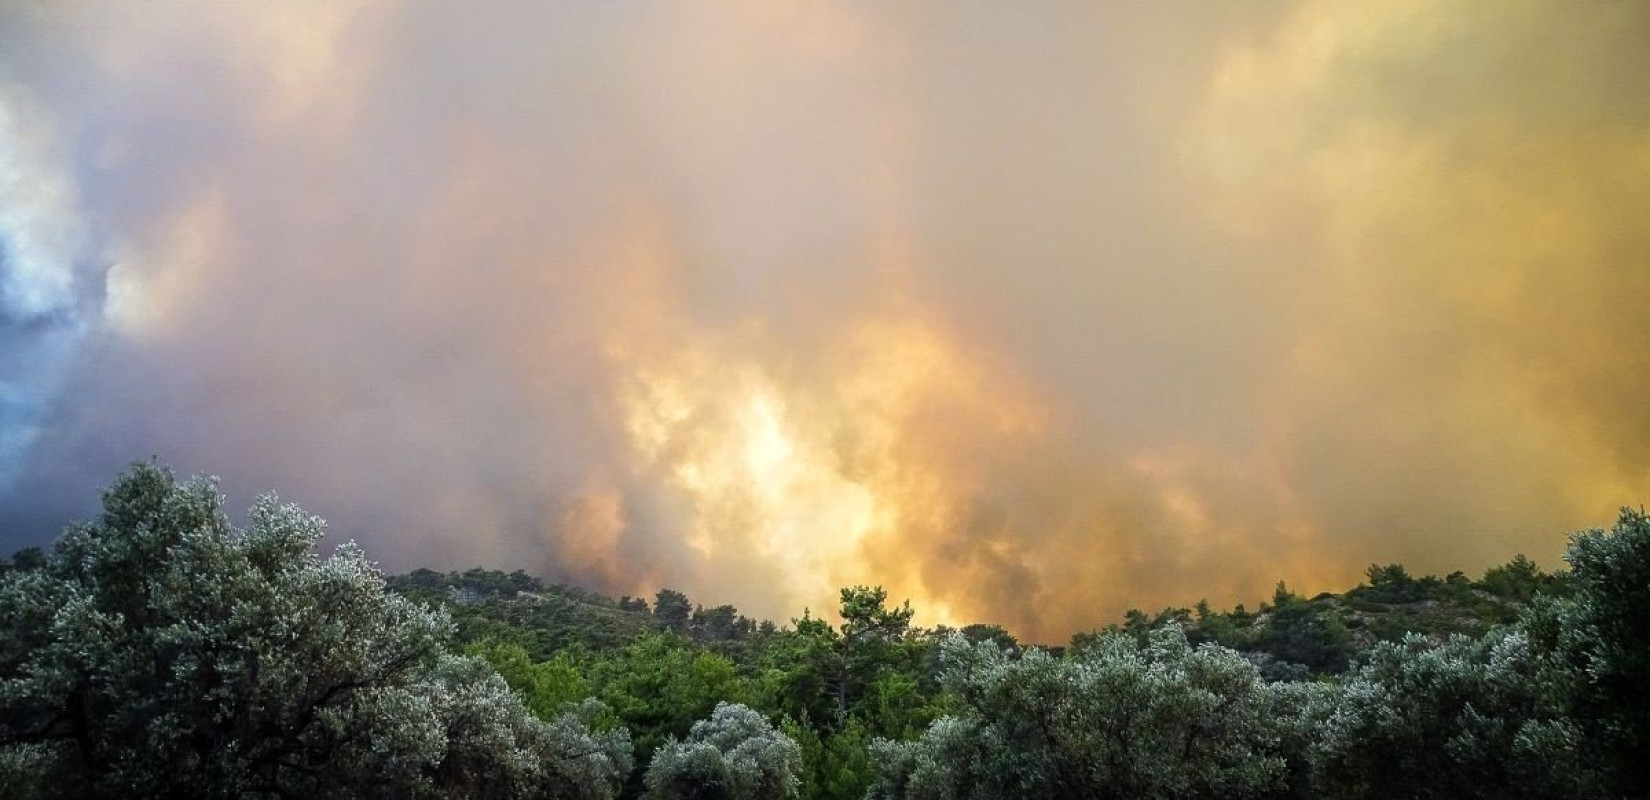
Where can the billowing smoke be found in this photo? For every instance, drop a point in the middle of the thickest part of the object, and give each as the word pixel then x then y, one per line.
pixel 1029 314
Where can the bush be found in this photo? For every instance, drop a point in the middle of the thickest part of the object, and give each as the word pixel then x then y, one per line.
pixel 1114 719
pixel 161 651
pixel 734 755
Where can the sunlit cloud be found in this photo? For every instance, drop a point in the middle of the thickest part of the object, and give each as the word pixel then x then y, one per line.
pixel 1029 315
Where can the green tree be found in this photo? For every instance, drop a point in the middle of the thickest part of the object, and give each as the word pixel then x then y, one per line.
pixel 996 634
pixel 870 633
pixel 1299 632
pixel 672 610
pixel 836 765
pixel 1464 719
pixel 548 687
pixel 1603 634
pixel 1392 583
pixel 28 558
pixel 1117 719
pixel 798 667
pixel 658 686
pixel 162 652
pixel 734 755
pixel 1519 580
pixel 870 667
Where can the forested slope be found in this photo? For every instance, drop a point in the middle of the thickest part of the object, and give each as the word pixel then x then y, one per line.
pixel 1290 635
pixel 159 650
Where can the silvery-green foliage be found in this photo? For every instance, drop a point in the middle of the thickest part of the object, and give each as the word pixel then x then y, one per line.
pixel 734 755
pixel 939 766
pixel 1116 720
pixel 162 651
pixel 1603 634
pixel 495 747
pixel 1461 719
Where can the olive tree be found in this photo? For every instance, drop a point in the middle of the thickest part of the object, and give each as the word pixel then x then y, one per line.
pixel 1117 719
pixel 1600 636
pixel 162 651
pixel 734 755
pixel 1460 719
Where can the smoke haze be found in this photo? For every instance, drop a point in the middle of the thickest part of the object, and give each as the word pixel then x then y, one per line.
pixel 1029 314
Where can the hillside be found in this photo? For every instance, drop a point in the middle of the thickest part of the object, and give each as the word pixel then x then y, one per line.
pixel 1289 637
pixel 160 650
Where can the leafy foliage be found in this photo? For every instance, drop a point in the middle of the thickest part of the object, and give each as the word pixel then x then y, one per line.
pixel 1603 638
pixel 1116 719
pixel 548 687
pixel 660 685
pixel 159 651
pixel 1463 719
pixel 734 755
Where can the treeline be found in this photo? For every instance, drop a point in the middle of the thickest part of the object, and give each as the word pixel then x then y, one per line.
pixel 161 651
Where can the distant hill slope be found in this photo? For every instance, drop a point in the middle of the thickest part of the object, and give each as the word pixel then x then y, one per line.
pixel 1290 636
pixel 518 607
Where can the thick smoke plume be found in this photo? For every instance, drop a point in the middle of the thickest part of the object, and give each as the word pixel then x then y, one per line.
pixel 1029 314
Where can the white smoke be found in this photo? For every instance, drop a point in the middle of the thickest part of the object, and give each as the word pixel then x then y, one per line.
pixel 41 240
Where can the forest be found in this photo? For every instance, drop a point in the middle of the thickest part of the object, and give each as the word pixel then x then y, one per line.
pixel 161 650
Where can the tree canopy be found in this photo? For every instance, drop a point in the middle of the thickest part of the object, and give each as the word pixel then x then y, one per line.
pixel 1115 719
pixel 734 755
pixel 160 651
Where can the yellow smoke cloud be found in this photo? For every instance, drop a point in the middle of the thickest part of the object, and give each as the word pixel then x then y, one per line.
pixel 1029 315
pixel 1460 188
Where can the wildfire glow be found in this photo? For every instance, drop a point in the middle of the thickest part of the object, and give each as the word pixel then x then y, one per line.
pixel 800 472
pixel 1029 316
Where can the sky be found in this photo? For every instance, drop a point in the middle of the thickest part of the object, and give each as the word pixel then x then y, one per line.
pixel 1031 314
